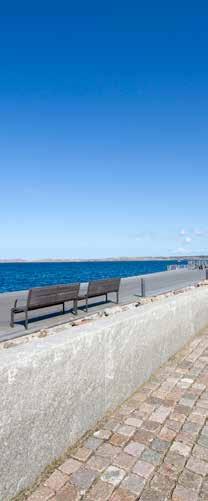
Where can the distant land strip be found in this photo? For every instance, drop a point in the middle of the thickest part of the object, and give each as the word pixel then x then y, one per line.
pixel 122 258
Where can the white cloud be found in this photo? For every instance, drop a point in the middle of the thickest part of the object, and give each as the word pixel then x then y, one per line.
pixel 188 240
pixel 200 233
pixel 182 232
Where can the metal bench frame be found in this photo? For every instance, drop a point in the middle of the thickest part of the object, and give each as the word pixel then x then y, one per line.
pixel 44 297
pixel 98 288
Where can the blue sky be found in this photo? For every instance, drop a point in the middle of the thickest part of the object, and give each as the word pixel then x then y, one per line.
pixel 103 131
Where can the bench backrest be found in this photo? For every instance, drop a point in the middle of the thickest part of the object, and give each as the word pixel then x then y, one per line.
pixel 103 286
pixel 55 294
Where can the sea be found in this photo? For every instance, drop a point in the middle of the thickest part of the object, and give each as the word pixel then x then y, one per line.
pixel 23 276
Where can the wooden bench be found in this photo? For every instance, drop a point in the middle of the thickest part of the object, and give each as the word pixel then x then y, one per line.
pixel 101 288
pixel 43 297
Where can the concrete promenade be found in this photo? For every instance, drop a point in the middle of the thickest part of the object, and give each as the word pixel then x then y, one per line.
pixel 154 447
pixel 129 291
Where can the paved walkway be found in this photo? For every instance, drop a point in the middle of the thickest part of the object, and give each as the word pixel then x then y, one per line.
pixel 153 448
pixel 48 317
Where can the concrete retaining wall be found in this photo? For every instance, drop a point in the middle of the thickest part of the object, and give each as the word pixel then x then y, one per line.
pixel 54 389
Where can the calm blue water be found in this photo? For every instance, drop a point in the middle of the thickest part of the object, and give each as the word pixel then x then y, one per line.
pixel 21 276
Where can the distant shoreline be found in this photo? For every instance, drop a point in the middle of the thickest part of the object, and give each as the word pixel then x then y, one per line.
pixel 108 259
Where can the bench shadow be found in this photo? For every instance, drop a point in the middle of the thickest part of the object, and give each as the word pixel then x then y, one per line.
pixel 59 314
pixel 93 305
pixel 46 316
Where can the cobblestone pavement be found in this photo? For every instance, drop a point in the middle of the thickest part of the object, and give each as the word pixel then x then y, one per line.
pixel 153 448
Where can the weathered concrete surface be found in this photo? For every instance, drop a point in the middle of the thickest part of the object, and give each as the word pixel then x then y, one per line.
pixel 159 450
pixel 69 381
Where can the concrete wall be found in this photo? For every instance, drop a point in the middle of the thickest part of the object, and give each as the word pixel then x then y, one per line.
pixel 54 389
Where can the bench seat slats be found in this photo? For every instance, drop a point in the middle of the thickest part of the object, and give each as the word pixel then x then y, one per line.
pixel 43 297
pixel 99 287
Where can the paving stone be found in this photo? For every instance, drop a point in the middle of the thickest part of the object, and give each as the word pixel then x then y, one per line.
pixel 176 459
pixel 190 427
pixel 124 461
pixel 125 410
pixel 151 426
pixel 169 470
pixel 190 480
pixel 202 403
pixel 56 480
pixel 177 416
pixel 108 450
pixel 140 396
pixel 152 495
pixel 157 442
pixel 187 402
pixel 41 494
pixel 68 493
pixel 180 448
pixel 126 430
pixel 151 456
pixel 113 475
pixel 160 445
pixel 167 434
pixel 82 454
pixel 111 425
pixel 70 466
pixel 117 439
pixel 92 443
pixel 173 425
pixel 143 469
pixel 133 422
pixel 157 402
pixel 134 448
pixel 144 437
pixel 98 463
pixel 161 414
pixel 182 409
pixel 83 478
pixel 197 466
pixel 100 491
pixel 148 408
pixel 102 434
pixel 133 483
pixel 183 494
pixel 203 440
pixel 195 417
pixel 200 452
pixel 123 495
pixel 140 414
pixel 163 483
pixel 205 431
pixel 187 438
pixel 204 491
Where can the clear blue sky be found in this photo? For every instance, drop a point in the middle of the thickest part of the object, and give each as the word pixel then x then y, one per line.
pixel 104 131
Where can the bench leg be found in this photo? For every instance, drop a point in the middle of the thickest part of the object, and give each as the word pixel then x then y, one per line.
pixel 106 298
pixel 12 319
pixel 75 307
pixel 117 297
pixel 26 319
pixel 86 306
pixel 63 308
